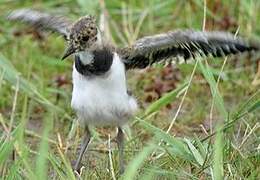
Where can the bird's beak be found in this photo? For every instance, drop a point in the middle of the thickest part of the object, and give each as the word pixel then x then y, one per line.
pixel 70 50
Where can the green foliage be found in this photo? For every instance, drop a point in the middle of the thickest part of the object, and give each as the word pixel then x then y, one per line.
pixel 38 138
pixel 165 99
pixel 132 168
pixel 218 172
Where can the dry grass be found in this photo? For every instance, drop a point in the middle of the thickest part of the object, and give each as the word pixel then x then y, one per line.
pixel 203 125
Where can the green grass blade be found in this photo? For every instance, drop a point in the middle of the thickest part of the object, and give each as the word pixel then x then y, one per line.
pixel 196 154
pixel 56 165
pixel 14 171
pixel 136 163
pixel 7 145
pixel 218 172
pixel 11 75
pixel 250 105
pixel 42 159
pixel 177 146
pixel 254 107
pixel 214 90
pixel 165 99
pixel 5 149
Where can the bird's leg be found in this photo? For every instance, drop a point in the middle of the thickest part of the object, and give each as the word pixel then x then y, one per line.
pixel 84 145
pixel 120 144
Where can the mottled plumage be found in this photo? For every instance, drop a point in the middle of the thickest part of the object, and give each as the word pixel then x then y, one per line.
pixel 100 96
pixel 82 34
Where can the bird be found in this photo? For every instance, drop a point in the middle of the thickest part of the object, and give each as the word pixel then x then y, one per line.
pixel 100 95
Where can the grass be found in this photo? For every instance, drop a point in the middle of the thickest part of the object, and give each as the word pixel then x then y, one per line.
pixel 206 126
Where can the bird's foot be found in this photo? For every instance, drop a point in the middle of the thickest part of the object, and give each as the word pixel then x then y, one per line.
pixel 77 166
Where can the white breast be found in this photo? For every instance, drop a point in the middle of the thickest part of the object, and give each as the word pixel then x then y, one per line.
pixel 103 100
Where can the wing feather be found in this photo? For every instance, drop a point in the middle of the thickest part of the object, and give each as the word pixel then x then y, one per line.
pixel 42 21
pixel 186 44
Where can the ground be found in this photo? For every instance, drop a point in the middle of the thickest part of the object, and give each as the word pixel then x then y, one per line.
pixel 197 121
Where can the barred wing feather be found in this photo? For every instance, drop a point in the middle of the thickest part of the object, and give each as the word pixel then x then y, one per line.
pixel 186 44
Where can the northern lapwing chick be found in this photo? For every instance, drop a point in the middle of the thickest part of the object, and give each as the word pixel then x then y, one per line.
pixel 100 96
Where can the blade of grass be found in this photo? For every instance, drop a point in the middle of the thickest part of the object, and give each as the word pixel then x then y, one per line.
pixel 11 75
pixel 176 145
pixel 56 165
pixel 7 145
pixel 214 91
pixel 165 99
pixel 248 107
pixel 218 172
pixel 68 169
pixel 41 162
pixel 196 154
pixel 136 163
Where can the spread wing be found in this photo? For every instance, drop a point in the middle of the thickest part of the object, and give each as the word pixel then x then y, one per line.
pixel 42 21
pixel 186 44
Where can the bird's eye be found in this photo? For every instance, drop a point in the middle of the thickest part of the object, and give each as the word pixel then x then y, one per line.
pixel 85 38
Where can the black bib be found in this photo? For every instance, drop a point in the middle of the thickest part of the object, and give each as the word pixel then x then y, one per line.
pixel 101 63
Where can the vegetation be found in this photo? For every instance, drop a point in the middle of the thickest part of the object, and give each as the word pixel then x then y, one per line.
pixel 197 121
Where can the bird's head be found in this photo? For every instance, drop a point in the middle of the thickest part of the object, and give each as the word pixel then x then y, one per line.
pixel 83 34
